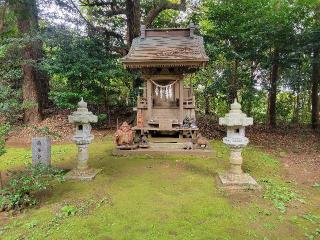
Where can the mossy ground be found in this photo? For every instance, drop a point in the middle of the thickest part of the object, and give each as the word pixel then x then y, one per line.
pixel 164 197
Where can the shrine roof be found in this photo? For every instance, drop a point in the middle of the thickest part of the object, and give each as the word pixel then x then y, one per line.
pixel 166 48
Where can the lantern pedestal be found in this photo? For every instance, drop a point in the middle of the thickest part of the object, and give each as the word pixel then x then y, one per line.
pixel 230 180
pixel 82 172
pixel 82 175
pixel 235 178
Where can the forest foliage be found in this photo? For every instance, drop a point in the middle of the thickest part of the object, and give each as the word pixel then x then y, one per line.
pixel 263 52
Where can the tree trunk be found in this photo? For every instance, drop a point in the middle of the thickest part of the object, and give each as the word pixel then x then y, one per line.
pixel 30 89
pixel 273 89
pixel 251 88
pixel 44 89
pixel 27 24
pixel 297 102
pixel 206 104
pixel 296 108
pixel 133 11
pixel 315 78
pixel 3 15
pixel 234 82
pixel 35 84
pixel 42 77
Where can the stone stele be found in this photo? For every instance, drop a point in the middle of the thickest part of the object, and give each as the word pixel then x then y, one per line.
pixel 236 121
pixel 82 138
pixel 41 151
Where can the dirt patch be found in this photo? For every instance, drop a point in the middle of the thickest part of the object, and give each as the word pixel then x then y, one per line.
pixel 57 126
pixel 298 147
pixel 240 198
pixel 302 168
pixel 3 218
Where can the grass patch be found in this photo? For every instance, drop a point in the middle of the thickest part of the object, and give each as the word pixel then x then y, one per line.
pixel 279 193
pixel 22 157
pixel 157 197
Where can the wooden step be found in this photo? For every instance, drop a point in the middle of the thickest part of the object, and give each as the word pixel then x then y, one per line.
pixel 162 145
pixel 165 140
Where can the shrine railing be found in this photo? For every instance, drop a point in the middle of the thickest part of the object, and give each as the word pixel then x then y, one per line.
pixel 142 102
pixel 189 102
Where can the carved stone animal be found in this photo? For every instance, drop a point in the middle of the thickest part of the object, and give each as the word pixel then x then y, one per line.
pixel 188 145
pixel 202 142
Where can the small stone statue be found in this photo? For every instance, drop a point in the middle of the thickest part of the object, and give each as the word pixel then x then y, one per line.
pixel 186 122
pixel 202 142
pixel 193 124
pixel 124 135
pixel 144 141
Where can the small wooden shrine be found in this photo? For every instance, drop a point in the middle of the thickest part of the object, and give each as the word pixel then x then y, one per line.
pixel 166 106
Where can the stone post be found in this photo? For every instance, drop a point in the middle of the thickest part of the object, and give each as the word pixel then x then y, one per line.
pixel 83 156
pixel 149 99
pixel 41 151
pixel 236 121
pixel 181 116
pixel 82 138
pixel 236 160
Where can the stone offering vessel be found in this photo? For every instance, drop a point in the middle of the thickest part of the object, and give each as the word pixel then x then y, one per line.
pixel 236 121
pixel 82 138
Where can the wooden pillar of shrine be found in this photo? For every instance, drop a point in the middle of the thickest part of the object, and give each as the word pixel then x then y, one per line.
pixel 181 117
pixel 149 99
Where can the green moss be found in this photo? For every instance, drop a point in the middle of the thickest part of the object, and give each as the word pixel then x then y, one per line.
pixel 156 197
pixel 20 157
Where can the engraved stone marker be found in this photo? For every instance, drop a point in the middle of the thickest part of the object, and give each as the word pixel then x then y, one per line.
pixel 41 151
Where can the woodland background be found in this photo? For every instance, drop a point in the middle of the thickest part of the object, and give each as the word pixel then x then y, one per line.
pixel 264 52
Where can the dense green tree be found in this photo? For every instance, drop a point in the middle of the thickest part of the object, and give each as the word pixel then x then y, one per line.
pixel 261 40
pixel 263 52
pixel 83 67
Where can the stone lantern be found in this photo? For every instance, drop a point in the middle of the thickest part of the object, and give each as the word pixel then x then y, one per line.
pixel 82 138
pixel 236 121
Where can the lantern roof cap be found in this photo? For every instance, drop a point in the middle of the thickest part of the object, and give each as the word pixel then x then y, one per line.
pixel 82 104
pixel 236 118
pixel 82 115
pixel 235 105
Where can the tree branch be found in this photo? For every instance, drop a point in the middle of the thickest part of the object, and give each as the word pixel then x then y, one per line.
pixel 164 5
pixel 3 15
pixel 114 8
pixel 100 29
pixel 120 50
pixel 95 3
pixel 110 13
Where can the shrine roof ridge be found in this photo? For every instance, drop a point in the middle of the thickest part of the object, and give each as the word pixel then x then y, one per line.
pixel 166 47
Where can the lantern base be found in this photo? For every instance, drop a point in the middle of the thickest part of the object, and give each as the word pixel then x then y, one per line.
pixel 82 175
pixel 233 181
